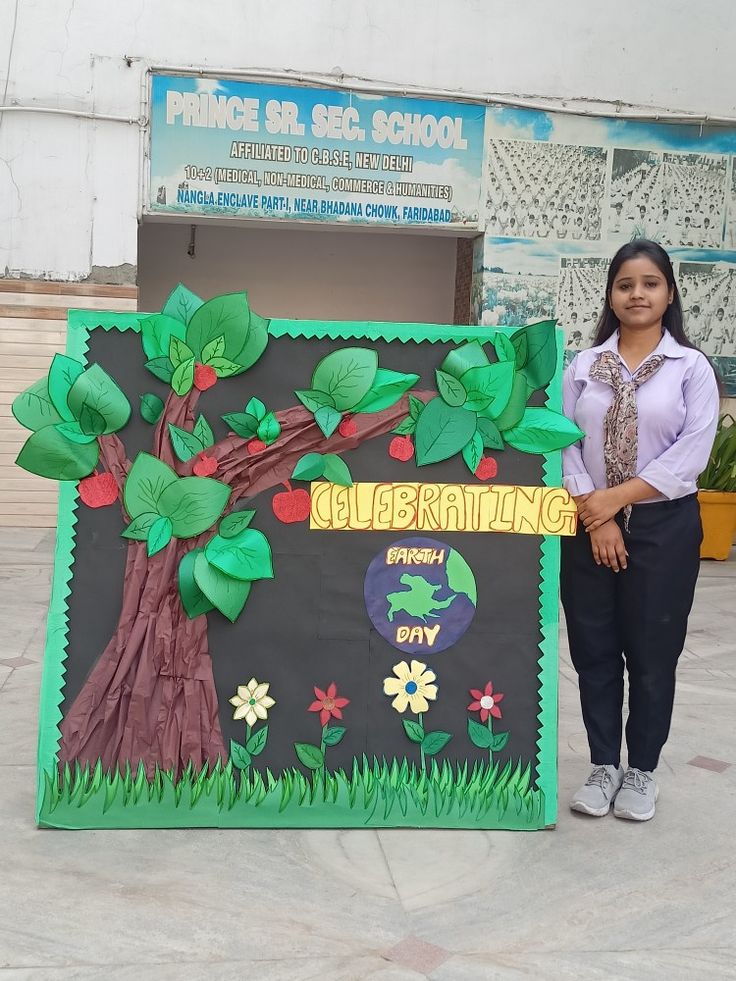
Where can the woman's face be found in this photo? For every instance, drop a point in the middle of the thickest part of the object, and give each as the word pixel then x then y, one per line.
pixel 640 295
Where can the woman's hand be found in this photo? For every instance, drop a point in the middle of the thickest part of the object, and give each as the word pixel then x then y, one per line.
pixel 608 546
pixel 600 506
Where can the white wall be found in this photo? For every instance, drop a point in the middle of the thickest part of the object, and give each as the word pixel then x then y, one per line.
pixel 69 188
pixel 304 274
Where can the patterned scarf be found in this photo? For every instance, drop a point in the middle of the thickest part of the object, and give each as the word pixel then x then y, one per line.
pixel 620 426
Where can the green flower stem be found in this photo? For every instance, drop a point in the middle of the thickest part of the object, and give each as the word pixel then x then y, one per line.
pixel 324 760
pixel 489 723
pixel 421 751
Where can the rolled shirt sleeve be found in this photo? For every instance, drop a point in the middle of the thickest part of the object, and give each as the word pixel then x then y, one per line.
pixel 675 470
pixel 575 477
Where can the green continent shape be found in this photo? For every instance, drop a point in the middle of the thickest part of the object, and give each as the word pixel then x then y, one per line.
pixel 418 600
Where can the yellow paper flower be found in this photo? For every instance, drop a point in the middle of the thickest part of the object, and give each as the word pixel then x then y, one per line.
pixel 412 686
pixel 252 701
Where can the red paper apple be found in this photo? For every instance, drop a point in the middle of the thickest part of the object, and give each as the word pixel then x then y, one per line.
pixel 291 505
pixel 401 448
pixel 205 376
pixel 255 446
pixel 205 465
pixel 347 427
pixel 99 490
pixel 487 468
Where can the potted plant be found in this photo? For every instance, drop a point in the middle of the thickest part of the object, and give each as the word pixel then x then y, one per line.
pixel 717 493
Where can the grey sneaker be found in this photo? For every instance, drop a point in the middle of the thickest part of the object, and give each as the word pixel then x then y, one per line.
pixel 597 793
pixel 638 796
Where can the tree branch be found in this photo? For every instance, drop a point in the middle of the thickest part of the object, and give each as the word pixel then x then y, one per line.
pixel 114 457
pixel 178 410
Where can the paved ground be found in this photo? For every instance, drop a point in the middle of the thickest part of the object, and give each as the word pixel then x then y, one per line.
pixel 593 899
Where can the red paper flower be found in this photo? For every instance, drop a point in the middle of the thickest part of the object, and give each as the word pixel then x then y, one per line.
pixel 205 465
pixel 205 376
pixel 255 446
pixel 99 490
pixel 485 702
pixel 401 448
pixel 328 703
pixel 347 427
pixel 487 468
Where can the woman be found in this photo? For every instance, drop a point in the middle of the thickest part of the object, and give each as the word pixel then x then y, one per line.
pixel 647 401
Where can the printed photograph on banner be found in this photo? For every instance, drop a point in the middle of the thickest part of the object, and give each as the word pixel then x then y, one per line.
pixel 677 199
pixel 731 207
pixel 545 190
pixel 580 295
pixel 708 292
pixel 517 284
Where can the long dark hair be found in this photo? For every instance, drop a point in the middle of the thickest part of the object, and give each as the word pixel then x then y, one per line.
pixel 673 318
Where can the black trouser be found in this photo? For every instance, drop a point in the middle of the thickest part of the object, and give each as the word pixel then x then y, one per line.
pixel 639 614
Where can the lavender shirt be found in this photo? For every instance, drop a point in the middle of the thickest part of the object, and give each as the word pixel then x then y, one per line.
pixel 678 414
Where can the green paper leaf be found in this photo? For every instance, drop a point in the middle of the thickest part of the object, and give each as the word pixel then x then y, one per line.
pixel 462 359
pixel 311 756
pixel 414 730
pixel 514 410
pixel 226 594
pixel 73 431
pixel 193 600
pixel 442 431
pixel 490 434
pixel 96 389
pixel 183 377
pixel 309 467
pixel 156 334
pixel 194 504
pixel 328 420
pixel 473 451
pixel 161 368
pixel 499 741
pixel 257 742
pixel 215 349
pixel 224 368
pixel 181 304
pixel 314 400
pixel 203 433
pixel 460 578
pixel 433 742
pixel 139 527
pixel 333 735
pixel 91 422
pixel 234 523
pixel 255 343
pixel 148 479
pixel 480 735
pixel 159 535
pixel 256 408
pixel 541 431
pixel 49 454
pixel 346 375
pixel 505 350
pixel 239 756
pixel 246 555
pixel 269 429
pixel 489 387
pixel 179 351
pixel 536 352
pixel 151 408
pixel 34 409
pixel 406 427
pixel 450 389
pixel 63 373
pixel 415 407
pixel 387 388
pixel 243 424
pixel 336 470
pixel 184 444
pixel 226 316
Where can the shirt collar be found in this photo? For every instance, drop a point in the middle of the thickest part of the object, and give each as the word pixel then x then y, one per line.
pixel 668 346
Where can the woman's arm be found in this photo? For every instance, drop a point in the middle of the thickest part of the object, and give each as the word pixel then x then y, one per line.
pixel 575 477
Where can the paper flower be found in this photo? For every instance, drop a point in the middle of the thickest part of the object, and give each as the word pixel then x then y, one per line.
pixel 328 703
pixel 485 702
pixel 412 687
pixel 252 701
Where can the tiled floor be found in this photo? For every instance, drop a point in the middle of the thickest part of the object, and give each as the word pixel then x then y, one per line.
pixel 593 899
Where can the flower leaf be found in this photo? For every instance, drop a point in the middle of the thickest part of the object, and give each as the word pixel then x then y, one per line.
pixel 239 755
pixel 433 742
pixel 311 756
pixel 257 742
pixel 333 735
pixel 414 730
pixel 480 735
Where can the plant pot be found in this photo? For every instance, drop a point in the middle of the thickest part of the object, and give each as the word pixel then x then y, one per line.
pixel 718 513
